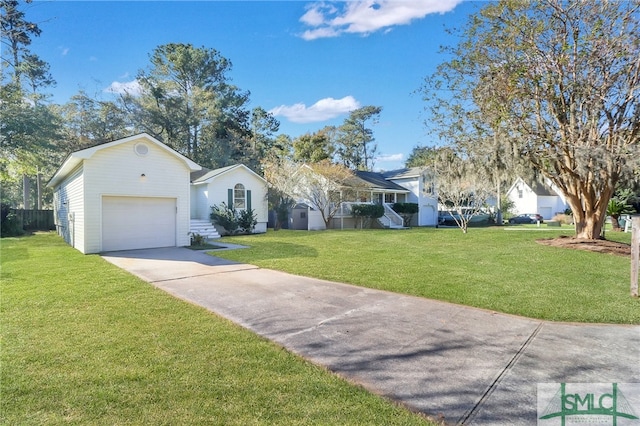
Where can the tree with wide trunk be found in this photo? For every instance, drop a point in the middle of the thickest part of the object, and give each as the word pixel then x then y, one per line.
pixel 559 82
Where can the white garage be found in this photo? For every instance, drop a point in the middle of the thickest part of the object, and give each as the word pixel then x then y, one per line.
pixel 132 193
pixel 138 222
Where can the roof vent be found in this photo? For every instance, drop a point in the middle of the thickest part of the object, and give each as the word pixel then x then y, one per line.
pixel 141 149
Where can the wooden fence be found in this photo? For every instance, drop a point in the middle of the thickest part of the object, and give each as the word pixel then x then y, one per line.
pixel 34 220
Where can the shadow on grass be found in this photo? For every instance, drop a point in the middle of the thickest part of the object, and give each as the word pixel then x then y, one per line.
pixel 280 250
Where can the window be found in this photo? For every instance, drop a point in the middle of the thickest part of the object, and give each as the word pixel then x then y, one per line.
pixel 520 193
pixel 239 197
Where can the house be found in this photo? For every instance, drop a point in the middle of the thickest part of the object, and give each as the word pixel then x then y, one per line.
pixel 398 186
pixel 236 186
pixel 421 186
pixel 534 196
pixel 131 193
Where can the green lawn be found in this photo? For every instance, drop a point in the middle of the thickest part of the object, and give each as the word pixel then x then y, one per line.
pixel 85 343
pixel 491 268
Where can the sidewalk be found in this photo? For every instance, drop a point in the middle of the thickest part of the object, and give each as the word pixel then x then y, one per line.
pixel 468 365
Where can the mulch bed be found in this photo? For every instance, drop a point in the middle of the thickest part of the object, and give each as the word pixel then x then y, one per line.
pixel 600 246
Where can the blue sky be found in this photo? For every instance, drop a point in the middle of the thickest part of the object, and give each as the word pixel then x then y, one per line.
pixel 309 63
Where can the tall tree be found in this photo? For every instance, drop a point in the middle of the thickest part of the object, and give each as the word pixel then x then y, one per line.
pixel 16 36
pixel 89 121
pixel 356 146
pixel 421 156
pixel 186 96
pixel 561 82
pixel 313 147
pixel 28 127
pixel 261 139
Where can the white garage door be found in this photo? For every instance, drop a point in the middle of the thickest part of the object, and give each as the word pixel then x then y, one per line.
pixel 545 212
pixel 428 216
pixel 134 223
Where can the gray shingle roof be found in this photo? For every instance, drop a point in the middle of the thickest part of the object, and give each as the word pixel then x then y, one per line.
pixel 375 180
pixel 204 174
pixel 403 173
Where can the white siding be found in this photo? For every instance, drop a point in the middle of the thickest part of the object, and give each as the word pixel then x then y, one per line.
pixel 69 209
pixel 118 171
pixel 316 223
pixel 528 203
pixel 215 193
pixel 427 206
pixel 412 185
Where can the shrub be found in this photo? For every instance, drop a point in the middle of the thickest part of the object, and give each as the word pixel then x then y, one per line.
pixel 247 221
pixel 406 210
pixel 565 219
pixel 9 223
pixel 198 240
pixel 225 217
pixel 364 213
pixel 233 221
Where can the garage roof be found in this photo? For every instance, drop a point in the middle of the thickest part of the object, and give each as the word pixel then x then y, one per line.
pixel 76 158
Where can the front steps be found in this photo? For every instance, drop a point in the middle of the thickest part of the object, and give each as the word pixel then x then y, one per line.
pixel 204 228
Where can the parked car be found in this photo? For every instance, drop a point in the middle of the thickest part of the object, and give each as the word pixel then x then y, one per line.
pixel 447 217
pixel 527 218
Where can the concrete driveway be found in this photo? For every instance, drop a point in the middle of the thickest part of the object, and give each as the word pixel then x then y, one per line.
pixel 467 365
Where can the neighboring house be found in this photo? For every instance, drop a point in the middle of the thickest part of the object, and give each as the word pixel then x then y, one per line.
pixel 421 186
pixel 543 198
pixel 237 186
pixel 397 186
pixel 131 193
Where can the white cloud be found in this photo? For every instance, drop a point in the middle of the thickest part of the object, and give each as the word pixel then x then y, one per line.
pixel 324 109
pixel 390 158
pixel 64 51
pixel 367 16
pixel 129 87
pixel 315 14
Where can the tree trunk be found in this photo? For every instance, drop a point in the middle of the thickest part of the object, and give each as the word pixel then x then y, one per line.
pixel 589 211
pixel 39 199
pixel 589 224
pixel 615 224
pixel 26 192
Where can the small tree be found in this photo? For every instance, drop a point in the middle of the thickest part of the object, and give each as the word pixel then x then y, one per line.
pixel 406 211
pixel 619 205
pixel 279 175
pixel 280 203
pixel 324 186
pixel 365 213
pixel 247 220
pixel 461 187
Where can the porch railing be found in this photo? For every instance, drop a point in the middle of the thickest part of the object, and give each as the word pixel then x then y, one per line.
pixel 390 219
pixel 395 220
